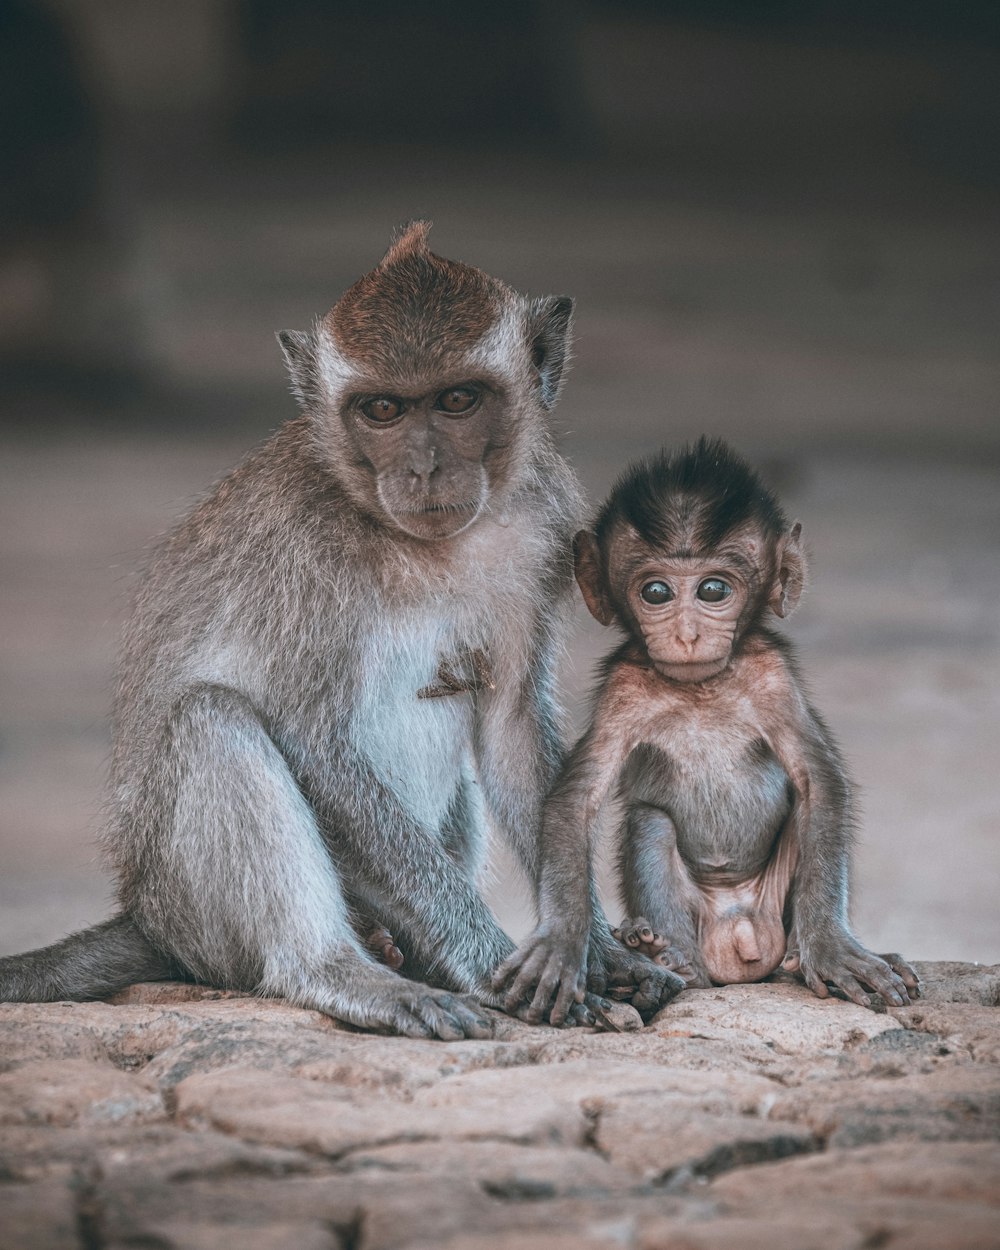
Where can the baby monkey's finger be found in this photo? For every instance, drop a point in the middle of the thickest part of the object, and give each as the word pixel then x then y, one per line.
pixel 568 994
pixel 906 974
pixel 549 982
pixel 581 1014
pixel 522 987
pixel 505 971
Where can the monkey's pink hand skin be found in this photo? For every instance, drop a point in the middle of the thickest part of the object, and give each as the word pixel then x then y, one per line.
pixel 842 962
pixel 545 978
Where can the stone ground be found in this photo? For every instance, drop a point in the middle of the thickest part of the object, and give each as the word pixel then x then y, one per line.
pixel 178 1118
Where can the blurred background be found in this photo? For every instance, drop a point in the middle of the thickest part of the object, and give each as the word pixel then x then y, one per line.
pixel 780 222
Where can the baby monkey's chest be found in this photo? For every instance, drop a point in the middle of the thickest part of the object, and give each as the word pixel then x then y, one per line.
pixel 723 788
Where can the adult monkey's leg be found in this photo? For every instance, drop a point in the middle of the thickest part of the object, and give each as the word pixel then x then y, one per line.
pixel 238 884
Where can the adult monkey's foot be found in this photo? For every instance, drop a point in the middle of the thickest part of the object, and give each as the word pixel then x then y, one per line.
pixel 414 1010
pixel 383 946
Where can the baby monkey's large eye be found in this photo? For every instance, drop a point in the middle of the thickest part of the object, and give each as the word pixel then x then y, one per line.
pixel 458 401
pixel 383 409
pixel 714 590
pixel 656 592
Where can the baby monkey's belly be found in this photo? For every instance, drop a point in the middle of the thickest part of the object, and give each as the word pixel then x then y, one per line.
pixel 735 858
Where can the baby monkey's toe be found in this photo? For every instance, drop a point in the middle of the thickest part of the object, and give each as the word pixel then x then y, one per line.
pixel 638 935
pixel 680 961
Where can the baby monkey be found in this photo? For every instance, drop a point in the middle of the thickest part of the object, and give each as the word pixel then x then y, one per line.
pixel 736 835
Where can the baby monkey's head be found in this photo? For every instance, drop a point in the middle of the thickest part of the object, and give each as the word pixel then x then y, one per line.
pixel 688 553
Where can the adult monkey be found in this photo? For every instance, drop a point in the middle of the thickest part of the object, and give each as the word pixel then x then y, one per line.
pixel 340 662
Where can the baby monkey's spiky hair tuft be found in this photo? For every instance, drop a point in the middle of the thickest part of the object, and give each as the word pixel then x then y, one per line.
pixel 689 500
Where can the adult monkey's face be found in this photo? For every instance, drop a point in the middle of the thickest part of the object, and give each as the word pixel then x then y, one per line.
pixel 426 384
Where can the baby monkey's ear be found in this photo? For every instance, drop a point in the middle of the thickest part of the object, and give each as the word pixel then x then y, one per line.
pixel 790 573
pixel 590 577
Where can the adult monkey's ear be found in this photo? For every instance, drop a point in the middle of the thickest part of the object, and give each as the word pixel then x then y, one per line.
pixel 549 322
pixel 590 577
pixel 790 573
pixel 299 348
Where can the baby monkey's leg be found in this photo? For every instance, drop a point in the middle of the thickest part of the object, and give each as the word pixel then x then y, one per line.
pixel 661 898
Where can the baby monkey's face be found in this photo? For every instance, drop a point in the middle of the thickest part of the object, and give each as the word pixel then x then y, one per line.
pixel 686 608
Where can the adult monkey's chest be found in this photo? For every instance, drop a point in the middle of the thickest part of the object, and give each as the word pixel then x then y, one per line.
pixel 417 703
pixel 468 671
pixel 429 671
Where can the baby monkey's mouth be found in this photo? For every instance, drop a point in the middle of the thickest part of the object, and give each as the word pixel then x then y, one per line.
pixel 690 671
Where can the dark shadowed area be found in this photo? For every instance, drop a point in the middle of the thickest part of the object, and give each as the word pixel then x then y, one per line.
pixel 779 221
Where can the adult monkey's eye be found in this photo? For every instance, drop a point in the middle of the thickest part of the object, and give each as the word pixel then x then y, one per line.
pixel 714 590
pixel 383 409
pixel 656 592
pixel 458 401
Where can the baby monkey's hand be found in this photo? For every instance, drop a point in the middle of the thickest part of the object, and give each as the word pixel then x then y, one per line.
pixel 546 978
pixel 839 960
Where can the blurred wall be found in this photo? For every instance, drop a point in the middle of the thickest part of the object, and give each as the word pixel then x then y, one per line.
pixel 779 220
pixel 112 107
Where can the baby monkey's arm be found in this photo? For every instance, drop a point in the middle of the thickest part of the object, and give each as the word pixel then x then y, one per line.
pixel 572 949
pixel 821 946
pixel 548 971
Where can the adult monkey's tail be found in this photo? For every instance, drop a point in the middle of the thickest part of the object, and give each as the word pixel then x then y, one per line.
pixel 90 964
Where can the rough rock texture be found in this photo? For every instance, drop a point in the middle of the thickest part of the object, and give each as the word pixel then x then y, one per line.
pixel 751 1116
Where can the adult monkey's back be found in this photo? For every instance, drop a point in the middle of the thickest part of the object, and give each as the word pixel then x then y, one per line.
pixel 340 666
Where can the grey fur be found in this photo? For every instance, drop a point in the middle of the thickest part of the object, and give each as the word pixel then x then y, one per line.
pixel 276 782
pixel 90 964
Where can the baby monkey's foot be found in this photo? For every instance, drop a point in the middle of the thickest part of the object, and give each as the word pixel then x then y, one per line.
pixel 638 935
pixel 383 946
pixel 624 973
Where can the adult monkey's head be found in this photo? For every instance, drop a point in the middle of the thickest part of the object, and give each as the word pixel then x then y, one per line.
pixel 426 385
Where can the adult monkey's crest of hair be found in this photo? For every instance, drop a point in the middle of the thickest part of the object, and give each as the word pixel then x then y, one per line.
pixel 415 307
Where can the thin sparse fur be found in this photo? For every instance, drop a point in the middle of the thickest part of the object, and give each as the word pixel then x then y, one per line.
pixel 738 816
pixel 277 786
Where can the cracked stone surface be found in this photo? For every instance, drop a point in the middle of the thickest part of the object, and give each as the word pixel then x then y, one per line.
pixel 750 1116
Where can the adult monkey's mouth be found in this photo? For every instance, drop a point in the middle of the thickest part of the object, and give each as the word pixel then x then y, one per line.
pixel 432 508
pixel 437 520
